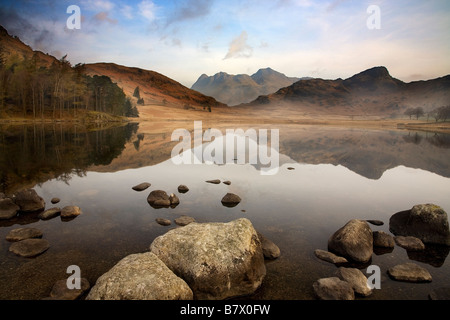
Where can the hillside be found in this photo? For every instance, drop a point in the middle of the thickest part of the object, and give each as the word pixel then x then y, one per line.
pixel 371 92
pixel 242 88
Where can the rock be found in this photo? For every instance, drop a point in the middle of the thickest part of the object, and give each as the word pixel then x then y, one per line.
pixel 28 200
pixel 216 181
pixel 231 200
pixel 2 196
pixel 8 209
pixel 376 222
pixel 29 247
pixel 356 279
pixel 353 241
pixel 55 200
pixel 329 256
pixel 409 272
pixel 383 240
pixel 410 243
pixel 227 182
pixel 333 288
pixel 217 260
pixel 182 188
pixel 70 212
pixel 158 198
pixel 291 168
pixel 174 200
pixel 184 220
pixel 428 222
pixel 60 291
pixel 49 213
pixel 23 233
pixel 163 222
pixel 442 293
pixel 141 276
pixel 141 187
pixel 270 249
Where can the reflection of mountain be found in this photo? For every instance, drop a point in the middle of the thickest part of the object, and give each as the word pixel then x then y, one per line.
pixel 369 152
pixel 32 154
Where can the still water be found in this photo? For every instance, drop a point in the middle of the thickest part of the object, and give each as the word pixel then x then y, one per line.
pixel 327 176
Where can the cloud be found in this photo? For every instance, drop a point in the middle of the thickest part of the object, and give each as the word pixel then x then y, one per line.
pixel 103 5
pixel 239 47
pixel 103 17
pixel 127 11
pixel 147 9
pixel 193 9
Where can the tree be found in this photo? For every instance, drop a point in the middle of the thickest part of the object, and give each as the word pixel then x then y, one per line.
pixel 136 93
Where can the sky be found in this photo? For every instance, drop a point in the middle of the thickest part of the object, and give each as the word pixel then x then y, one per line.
pixel 183 39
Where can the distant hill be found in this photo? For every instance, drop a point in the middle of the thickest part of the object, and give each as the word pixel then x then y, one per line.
pixel 371 92
pixel 242 88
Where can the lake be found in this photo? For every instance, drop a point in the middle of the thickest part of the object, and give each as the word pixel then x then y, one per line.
pixel 327 175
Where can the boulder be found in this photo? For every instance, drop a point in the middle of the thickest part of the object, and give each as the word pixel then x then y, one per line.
pixel 158 198
pixel 23 233
pixel 141 276
pixel 353 241
pixel 383 240
pixel 333 288
pixel 270 249
pixel 60 291
pixel 217 260
pixel 70 212
pixel 409 243
pixel 8 209
pixel 428 222
pixel 28 200
pixel 29 247
pixel 182 188
pixel 141 187
pixel 409 272
pixel 356 279
pixel 49 213
pixel 329 257
pixel 184 220
pixel 231 200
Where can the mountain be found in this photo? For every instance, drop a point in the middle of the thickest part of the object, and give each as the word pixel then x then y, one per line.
pixel 242 88
pixel 371 92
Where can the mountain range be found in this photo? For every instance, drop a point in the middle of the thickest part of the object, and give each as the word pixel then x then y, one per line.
pixel 242 88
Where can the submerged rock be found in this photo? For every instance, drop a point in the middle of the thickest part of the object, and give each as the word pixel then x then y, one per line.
pixel 140 276
pixel 8 209
pixel 141 187
pixel 70 212
pixel 49 213
pixel 29 247
pixel 60 291
pixel 217 260
pixel 356 279
pixel 23 233
pixel 428 222
pixel 270 249
pixel 28 200
pixel 329 257
pixel 333 288
pixel 409 243
pixel 353 241
pixel 184 220
pixel 409 272
pixel 442 293
pixel 163 222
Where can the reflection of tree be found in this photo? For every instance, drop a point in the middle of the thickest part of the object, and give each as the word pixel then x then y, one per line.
pixel 415 138
pixel 35 153
pixel 440 140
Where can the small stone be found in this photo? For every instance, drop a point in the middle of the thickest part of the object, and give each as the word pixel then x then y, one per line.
pixel 184 220
pixel 8 209
pixel 409 243
pixel 227 182
pixel 60 291
pixel 49 213
pixel 357 280
pixel 291 168
pixel 376 222
pixel 55 200
pixel 215 181
pixel 270 249
pixel 383 240
pixel 409 272
pixel 23 233
pixel 69 212
pixel 182 188
pixel 141 187
pixel 163 222
pixel 29 247
pixel 174 200
pixel 333 288
pixel 329 257
pixel 231 200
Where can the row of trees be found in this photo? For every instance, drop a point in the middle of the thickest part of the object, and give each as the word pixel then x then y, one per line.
pixel 55 91
pixel 438 114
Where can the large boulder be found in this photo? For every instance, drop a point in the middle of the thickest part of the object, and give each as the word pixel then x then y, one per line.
pixel 29 201
pixel 353 241
pixel 217 260
pixel 428 222
pixel 140 276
